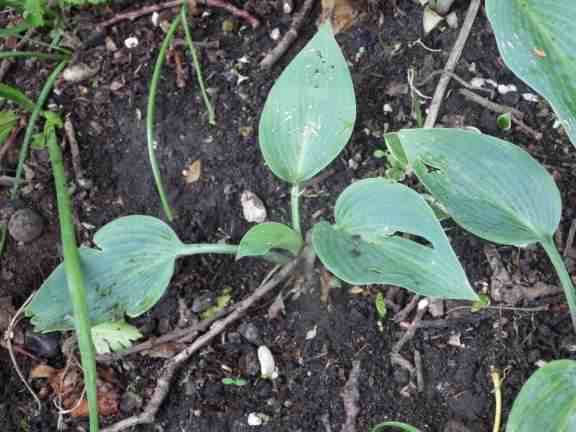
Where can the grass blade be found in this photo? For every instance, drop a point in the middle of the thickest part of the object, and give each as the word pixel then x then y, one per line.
pixel 32 123
pixel 16 96
pixel 151 110
pixel 74 277
pixel 209 107
pixel 32 54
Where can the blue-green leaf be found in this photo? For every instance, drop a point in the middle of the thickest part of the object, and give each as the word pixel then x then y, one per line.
pixel 386 233
pixel 127 276
pixel 547 401
pixel 264 237
pixel 490 187
pixel 537 41
pixel 310 111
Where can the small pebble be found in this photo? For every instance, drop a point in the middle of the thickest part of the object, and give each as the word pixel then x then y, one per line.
pixel 250 332
pixel 275 34
pixel 252 207
pixel 25 225
pixel 131 42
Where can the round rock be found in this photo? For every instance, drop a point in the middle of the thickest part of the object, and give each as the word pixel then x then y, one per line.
pixel 25 225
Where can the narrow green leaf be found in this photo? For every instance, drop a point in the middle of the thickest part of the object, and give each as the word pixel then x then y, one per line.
pixel 490 187
pixel 8 120
pixel 310 111
pixel 395 425
pixel 537 41
pixel 14 30
pixel 547 401
pixel 264 237
pixel 15 95
pixel 386 233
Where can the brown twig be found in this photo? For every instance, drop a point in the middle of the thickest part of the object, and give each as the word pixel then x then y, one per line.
pixel 419 373
pixel 272 57
pixel 163 383
pixel 147 10
pixel 75 153
pixel 451 63
pixel 411 330
pixel 8 336
pixel 570 238
pixel 403 314
pixel 350 396
pixel 455 77
pixel 502 109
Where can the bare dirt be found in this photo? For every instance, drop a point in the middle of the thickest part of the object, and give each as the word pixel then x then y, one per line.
pixel 457 350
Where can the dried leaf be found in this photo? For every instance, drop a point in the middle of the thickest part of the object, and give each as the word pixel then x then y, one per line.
pixel 193 172
pixel 343 14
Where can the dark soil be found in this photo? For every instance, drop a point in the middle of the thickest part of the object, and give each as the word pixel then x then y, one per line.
pixel 457 353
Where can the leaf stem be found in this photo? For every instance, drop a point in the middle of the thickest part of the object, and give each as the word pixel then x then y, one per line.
pixel 75 278
pixel 206 248
pixel 151 111
pixel 295 206
pixel 209 107
pixel 563 274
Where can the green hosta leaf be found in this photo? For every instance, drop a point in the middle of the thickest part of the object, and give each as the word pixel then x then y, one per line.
pixel 395 425
pixel 8 120
pixel 537 41
pixel 262 238
pixel 114 336
pixel 127 276
pixel 547 401
pixel 364 246
pixel 15 95
pixel 490 187
pixel 310 112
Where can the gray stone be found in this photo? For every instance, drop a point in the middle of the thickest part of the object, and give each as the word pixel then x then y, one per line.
pixel 25 225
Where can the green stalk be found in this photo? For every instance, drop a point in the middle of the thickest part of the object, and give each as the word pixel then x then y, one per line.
pixel 563 274
pixel 295 206
pixel 28 138
pixel 32 124
pixel 151 110
pixel 74 277
pixel 33 54
pixel 209 108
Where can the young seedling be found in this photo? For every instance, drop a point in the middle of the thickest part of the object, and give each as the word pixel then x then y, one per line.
pixel 383 232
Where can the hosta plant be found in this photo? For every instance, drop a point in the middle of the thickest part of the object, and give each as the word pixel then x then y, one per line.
pixel 383 232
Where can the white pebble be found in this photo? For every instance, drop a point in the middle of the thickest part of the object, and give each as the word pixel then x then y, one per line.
pixel 131 42
pixel 252 207
pixel 530 97
pixel 275 34
pixel 504 89
pixel 267 363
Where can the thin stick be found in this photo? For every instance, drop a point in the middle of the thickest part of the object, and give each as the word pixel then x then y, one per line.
pixel 409 334
pixel 74 277
pixel 419 373
pixel 451 63
pixel 147 10
pixel 272 57
pixel 199 76
pixel 350 396
pixel 497 382
pixel 457 78
pixel 8 336
pixel 163 383
pixel 492 106
pixel 150 114
pixel 570 238
pixel 74 151
pixel 502 109
pixel 403 314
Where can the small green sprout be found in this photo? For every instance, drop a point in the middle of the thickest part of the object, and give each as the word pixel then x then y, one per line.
pixel 238 382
